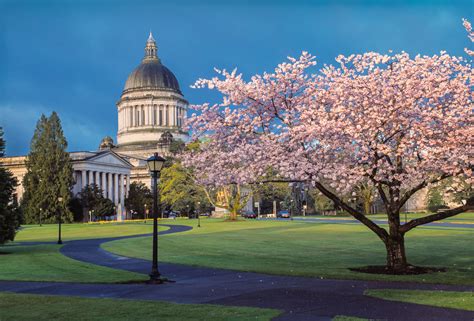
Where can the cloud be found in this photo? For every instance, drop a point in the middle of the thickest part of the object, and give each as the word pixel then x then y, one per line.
pixel 19 122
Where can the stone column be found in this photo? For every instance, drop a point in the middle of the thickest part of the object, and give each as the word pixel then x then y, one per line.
pixel 91 178
pixel 97 179
pixel 122 192
pixel 84 178
pixel 116 189
pixel 110 195
pixel 104 184
pixel 128 185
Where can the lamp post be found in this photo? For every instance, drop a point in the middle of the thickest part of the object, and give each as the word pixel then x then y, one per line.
pixel 199 217
pixel 291 210
pixel 41 210
pixel 155 164
pixel 146 212
pixel 60 200
pixel 90 216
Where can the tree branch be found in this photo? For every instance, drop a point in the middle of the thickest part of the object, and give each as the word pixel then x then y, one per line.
pixel 418 187
pixel 438 216
pixel 381 233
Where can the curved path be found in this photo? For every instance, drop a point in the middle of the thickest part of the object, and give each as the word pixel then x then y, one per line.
pixel 300 298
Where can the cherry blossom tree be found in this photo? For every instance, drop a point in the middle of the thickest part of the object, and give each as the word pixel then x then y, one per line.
pixel 470 34
pixel 395 122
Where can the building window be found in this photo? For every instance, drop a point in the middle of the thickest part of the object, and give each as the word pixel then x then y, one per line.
pixel 143 115
pixel 154 115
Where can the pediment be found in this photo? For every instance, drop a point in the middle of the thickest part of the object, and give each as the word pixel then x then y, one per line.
pixel 109 158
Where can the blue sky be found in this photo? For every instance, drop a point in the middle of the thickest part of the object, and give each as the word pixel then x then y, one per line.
pixel 74 56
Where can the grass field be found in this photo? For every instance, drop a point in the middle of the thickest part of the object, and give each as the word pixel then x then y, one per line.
pixel 46 263
pixel 51 308
pixel 49 232
pixel 308 249
pixel 464 218
pixel 445 299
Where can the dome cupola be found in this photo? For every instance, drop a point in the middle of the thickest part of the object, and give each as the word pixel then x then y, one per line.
pixel 151 73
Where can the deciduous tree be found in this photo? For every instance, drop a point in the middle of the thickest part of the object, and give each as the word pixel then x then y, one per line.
pixel 401 123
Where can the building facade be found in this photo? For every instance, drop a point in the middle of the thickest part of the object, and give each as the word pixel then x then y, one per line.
pixel 106 169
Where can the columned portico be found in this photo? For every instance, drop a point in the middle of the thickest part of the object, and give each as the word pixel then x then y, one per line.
pixel 107 170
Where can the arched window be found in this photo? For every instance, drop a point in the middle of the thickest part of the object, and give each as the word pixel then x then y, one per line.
pixel 154 115
pixel 143 115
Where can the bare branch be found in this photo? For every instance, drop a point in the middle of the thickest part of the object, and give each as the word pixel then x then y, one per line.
pixel 438 216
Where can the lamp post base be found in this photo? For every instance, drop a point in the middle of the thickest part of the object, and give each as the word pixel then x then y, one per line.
pixel 60 242
pixel 157 279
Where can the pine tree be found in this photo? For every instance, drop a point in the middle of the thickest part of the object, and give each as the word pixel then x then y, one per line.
pixel 49 174
pixel 9 212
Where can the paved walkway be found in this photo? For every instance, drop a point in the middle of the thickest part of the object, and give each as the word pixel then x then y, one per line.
pixel 300 298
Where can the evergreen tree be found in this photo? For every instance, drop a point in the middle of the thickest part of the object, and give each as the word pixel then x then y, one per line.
pixel 9 211
pixel 435 201
pixel 49 174
pixel 104 207
pixel 138 196
pixel 90 196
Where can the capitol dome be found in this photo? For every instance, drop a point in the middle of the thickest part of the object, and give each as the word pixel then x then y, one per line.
pixel 151 109
pixel 151 73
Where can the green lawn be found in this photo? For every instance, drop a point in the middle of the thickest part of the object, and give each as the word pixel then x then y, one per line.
pixel 45 263
pixel 49 232
pixel 308 249
pixel 23 307
pixel 445 299
pixel 465 218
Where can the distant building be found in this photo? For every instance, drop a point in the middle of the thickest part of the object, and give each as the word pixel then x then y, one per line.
pixel 151 112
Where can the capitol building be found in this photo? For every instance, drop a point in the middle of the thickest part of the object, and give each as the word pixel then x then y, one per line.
pixel 150 113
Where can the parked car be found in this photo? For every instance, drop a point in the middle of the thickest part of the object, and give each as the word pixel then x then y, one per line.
pixel 283 214
pixel 249 215
pixel 171 214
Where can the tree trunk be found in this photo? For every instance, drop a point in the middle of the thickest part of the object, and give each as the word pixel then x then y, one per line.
pixel 367 205
pixel 233 215
pixel 396 257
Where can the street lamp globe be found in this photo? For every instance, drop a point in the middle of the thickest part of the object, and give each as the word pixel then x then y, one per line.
pixel 155 163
